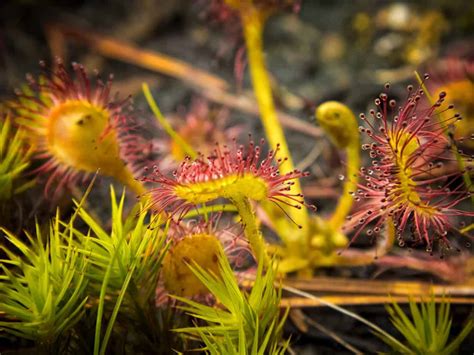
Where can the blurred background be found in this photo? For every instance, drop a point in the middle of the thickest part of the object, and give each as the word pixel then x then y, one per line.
pixel 322 50
pixel 325 50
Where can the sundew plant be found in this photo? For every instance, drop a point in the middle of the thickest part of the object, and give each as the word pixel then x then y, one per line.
pixel 158 234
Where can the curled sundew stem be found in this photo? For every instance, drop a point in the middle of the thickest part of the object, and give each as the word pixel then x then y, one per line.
pixel 341 127
pixel 253 21
pixel 346 200
pixel 251 230
pixel 462 166
pixel 166 125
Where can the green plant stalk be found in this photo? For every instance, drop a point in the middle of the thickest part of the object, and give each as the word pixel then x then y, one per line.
pixel 100 310
pixel 140 307
pixel 123 290
pixel 166 125
pixel 253 22
pixel 143 316
pixel 251 230
pixel 467 229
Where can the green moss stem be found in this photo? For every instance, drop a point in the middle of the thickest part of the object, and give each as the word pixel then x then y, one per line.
pixel 346 200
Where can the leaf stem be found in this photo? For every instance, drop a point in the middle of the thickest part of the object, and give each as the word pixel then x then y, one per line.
pixel 127 178
pixel 251 230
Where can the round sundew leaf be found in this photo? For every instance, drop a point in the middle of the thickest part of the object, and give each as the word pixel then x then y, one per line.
pixel 77 128
pixel 76 138
pixel 203 249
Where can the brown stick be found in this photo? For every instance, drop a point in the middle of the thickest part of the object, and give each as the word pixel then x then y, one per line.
pixel 151 60
pixel 301 302
pixel 316 191
pixel 211 86
pixel 249 105
pixel 400 288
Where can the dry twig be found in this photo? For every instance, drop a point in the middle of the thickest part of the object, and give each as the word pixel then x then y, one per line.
pixel 210 86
